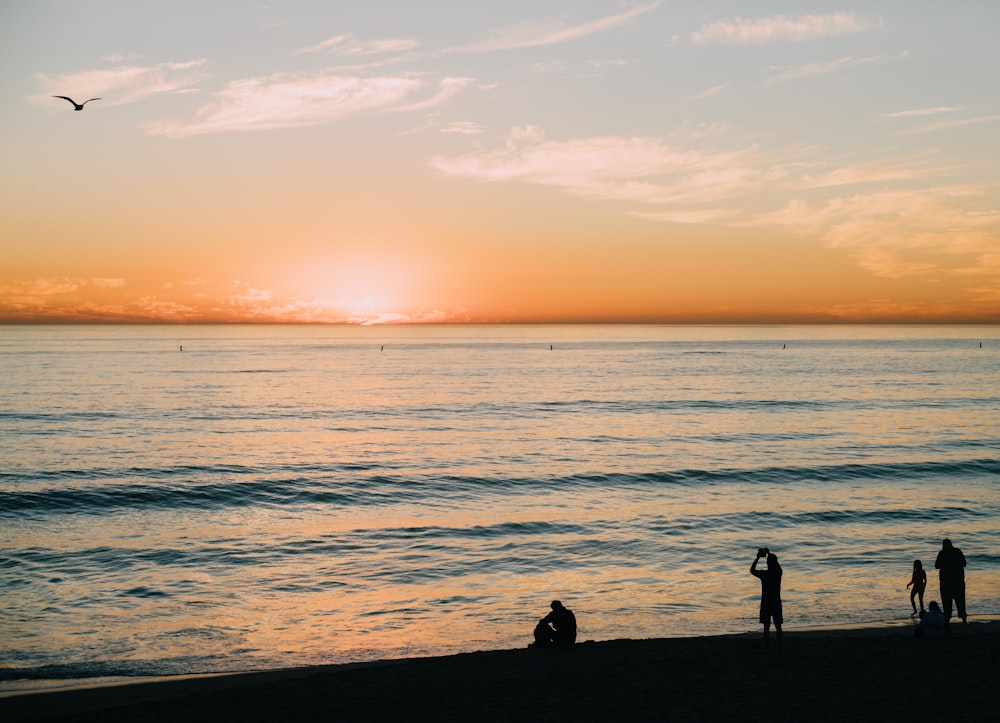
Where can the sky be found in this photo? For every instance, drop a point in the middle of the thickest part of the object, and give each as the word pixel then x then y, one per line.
pixel 725 161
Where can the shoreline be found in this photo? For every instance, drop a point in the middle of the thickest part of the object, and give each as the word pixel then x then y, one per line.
pixel 33 686
pixel 589 679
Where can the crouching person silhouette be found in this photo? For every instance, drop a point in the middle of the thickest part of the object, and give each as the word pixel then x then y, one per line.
pixel 932 622
pixel 556 628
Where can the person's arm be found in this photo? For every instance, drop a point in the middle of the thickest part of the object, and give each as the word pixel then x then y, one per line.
pixel 937 561
pixel 962 556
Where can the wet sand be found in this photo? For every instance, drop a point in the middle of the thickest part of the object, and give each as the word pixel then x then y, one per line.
pixel 861 674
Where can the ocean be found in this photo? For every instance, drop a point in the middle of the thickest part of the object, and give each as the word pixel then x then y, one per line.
pixel 183 499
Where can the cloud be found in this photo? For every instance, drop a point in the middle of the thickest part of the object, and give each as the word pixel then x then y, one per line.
pixel 778 28
pixel 888 311
pixel 947 125
pixel 536 33
pixel 124 83
pixel 447 88
pixel 464 128
pixel 921 112
pixel 901 169
pixel 120 57
pixel 638 169
pixel 36 289
pixel 902 232
pixel 813 70
pixel 348 45
pixel 289 101
pixel 714 90
pixel 689 216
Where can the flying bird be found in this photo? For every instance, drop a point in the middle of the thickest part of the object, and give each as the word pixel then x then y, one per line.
pixel 76 106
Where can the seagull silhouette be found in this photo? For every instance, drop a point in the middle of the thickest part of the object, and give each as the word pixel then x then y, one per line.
pixel 76 106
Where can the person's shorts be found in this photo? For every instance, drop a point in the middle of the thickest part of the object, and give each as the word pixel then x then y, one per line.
pixel 771 612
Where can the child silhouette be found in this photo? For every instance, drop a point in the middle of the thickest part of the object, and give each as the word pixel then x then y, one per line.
pixel 919 583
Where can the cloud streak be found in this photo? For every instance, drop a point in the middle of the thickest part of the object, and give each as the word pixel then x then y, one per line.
pixel 891 232
pixel 814 70
pixel 901 232
pixel 347 45
pixel 124 83
pixel 630 168
pixel 778 29
pixel 289 101
pixel 537 33
pixel 948 125
pixel 921 112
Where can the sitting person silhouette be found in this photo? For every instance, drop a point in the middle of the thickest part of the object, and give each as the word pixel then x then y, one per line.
pixel 556 628
pixel 932 622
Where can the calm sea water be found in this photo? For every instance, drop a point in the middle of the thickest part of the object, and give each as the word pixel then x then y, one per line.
pixel 280 496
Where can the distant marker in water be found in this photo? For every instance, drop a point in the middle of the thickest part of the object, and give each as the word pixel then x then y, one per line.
pixel 381 348
pixel 782 346
pixel 181 347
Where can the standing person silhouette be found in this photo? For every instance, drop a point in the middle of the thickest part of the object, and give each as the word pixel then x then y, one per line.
pixel 950 564
pixel 919 584
pixel 770 594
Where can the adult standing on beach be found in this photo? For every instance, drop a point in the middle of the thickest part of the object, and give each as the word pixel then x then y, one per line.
pixel 770 594
pixel 950 564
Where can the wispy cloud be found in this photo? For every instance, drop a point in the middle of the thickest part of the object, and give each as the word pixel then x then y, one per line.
pixel 880 171
pixel 637 169
pixel 813 70
pixel 120 57
pixel 901 232
pixel 447 88
pixel 714 90
pixel 464 128
pixel 778 28
pixel 288 101
pixel 689 216
pixel 348 45
pixel 948 125
pixel 71 300
pixel 535 33
pixel 890 227
pixel 919 112
pixel 124 83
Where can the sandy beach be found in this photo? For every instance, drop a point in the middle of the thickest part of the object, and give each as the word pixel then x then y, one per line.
pixel 881 674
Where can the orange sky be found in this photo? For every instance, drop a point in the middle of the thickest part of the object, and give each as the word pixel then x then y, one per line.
pixel 556 161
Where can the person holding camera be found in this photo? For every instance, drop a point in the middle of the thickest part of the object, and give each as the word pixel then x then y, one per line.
pixel 770 594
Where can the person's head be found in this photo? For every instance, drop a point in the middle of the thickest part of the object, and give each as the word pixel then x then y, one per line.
pixel 934 606
pixel 917 565
pixel 946 543
pixel 556 605
pixel 772 560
